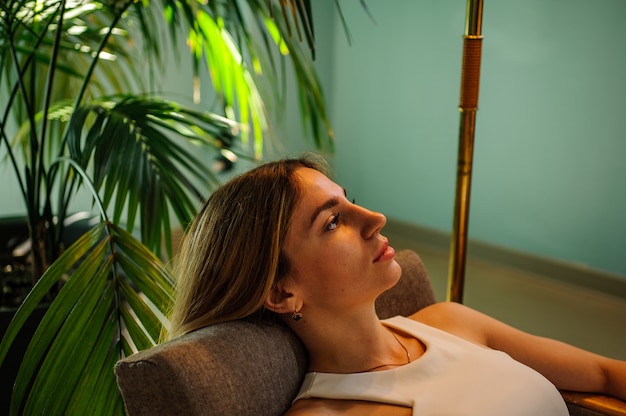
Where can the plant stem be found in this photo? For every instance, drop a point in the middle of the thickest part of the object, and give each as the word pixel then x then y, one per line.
pixel 62 209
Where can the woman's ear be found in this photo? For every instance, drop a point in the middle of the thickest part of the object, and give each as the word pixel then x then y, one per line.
pixel 280 299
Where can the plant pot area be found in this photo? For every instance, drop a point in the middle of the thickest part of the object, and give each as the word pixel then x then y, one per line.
pixel 16 281
pixel 15 267
pixel 15 260
pixel 13 360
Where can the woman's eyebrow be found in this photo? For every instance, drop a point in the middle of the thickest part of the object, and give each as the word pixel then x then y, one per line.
pixel 326 205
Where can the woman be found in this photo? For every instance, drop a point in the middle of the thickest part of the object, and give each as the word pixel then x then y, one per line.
pixel 283 240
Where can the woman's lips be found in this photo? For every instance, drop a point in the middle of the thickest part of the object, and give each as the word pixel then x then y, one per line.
pixel 386 253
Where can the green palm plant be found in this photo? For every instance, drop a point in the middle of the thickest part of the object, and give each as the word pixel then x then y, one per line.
pixel 78 113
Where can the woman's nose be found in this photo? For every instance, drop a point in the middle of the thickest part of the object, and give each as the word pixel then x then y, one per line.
pixel 373 222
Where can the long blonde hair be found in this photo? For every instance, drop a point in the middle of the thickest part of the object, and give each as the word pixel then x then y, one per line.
pixel 231 256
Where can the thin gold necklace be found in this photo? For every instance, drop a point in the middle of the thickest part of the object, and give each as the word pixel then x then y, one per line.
pixel 408 357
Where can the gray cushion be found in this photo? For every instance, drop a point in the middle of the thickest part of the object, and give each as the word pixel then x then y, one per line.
pixel 241 368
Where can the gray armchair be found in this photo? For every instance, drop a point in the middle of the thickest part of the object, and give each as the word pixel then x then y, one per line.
pixel 250 368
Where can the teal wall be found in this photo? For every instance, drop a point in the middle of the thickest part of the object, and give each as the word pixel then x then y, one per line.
pixel 549 171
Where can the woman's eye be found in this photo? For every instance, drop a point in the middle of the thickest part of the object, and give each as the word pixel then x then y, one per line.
pixel 333 223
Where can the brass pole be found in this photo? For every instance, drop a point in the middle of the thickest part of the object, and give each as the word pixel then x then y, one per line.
pixel 470 78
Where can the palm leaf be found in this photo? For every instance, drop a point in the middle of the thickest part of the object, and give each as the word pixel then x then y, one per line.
pixel 68 366
pixel 163 167
pixel 231 38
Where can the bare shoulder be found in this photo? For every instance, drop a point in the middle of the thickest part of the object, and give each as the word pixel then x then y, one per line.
pixel 329 407
pixel 456 319
pixel 443 314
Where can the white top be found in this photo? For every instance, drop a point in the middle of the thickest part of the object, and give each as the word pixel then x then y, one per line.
pixel 453 377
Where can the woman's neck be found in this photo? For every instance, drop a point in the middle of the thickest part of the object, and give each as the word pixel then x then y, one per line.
pixel 351 345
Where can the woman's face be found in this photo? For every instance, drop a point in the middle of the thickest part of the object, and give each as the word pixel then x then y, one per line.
pixel 338 258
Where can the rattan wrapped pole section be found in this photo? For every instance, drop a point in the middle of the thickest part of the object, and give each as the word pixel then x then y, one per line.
pixel 470 79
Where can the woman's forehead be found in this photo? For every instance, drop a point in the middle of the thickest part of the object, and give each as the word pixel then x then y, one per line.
pixel 318 193
pixel 314 182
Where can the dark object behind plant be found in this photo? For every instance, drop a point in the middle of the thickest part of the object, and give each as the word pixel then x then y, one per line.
pixel 15 273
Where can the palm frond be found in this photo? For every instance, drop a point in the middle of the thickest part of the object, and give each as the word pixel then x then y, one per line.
pixel 103 274
pixel 167 152
pixel 231 39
